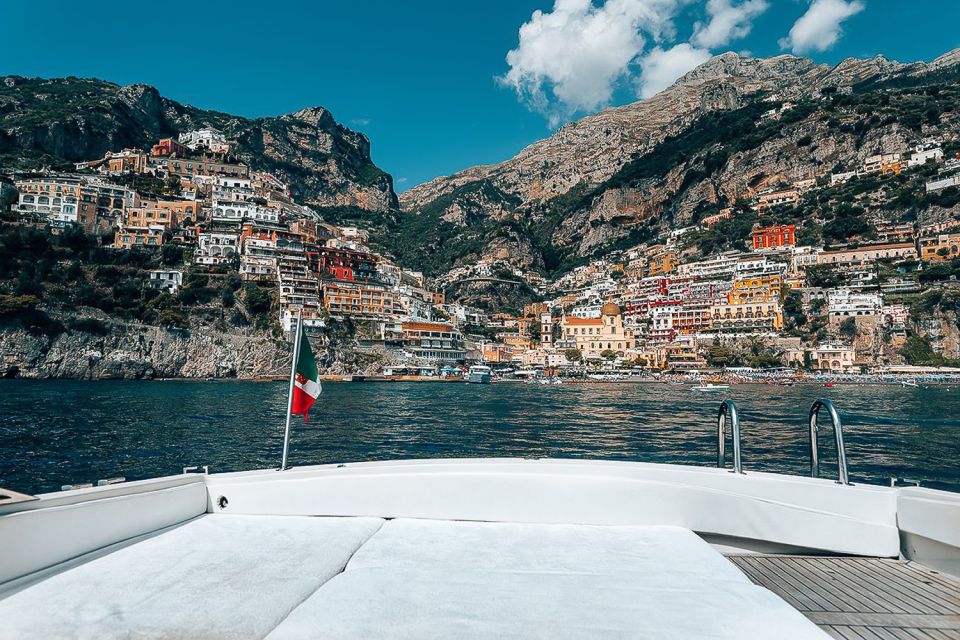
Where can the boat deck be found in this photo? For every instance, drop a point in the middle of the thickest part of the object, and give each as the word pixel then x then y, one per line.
pixel 862 598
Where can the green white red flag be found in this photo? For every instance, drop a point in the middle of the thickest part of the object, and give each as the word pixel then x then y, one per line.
pixel 306 381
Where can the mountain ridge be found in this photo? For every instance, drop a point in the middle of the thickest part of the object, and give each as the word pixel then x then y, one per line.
pixel 64 120
pixel 575 194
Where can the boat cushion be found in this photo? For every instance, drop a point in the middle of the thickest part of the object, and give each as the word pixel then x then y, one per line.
pixel 217 576
pixel 426 579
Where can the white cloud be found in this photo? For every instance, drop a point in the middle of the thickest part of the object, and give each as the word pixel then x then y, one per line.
pixel 661 68
pixel 574 57
pixel 571 58
pixel 820 27
pixel 728 21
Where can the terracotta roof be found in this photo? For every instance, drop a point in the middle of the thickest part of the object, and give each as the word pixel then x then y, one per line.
pixel 584 321
pixel 610 309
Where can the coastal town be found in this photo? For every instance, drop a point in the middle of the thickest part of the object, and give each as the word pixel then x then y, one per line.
pixel 781 302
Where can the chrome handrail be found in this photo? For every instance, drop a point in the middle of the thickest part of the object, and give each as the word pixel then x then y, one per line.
pixel 728 408
pixel 842 477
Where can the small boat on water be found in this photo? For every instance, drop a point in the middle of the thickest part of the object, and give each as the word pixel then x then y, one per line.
pixel 479 374
pixel 710 386
pixel 908 383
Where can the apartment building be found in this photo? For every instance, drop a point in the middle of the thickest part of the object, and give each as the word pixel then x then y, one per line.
pixel 90 203
pixel 845 303
pixel 774 237
pixel 756 317
pixel 944 246
pixel 362 301
pixel 147 236
pixel 592 336
pixel 434 342
pixel 868 253
pixel 780 198
pixel 216 247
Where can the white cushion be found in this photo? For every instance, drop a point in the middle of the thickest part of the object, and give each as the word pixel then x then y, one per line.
pixel 672 553
pixel 217 576
pixel 413 604
pixel 439 579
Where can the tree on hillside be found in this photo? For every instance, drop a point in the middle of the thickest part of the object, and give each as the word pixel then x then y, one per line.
pixel 573 355
pixel 848 328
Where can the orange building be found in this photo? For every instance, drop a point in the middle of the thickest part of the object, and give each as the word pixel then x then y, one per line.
pixel 169 147
pixel 126 161
pixel 940 248
pixel 776 236
pixel 360 301
pixel 662 263
pixel 129 237
pixel 180 210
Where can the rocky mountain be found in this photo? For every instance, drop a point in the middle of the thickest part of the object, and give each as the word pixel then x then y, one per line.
pixel 624 174
pixel 61 121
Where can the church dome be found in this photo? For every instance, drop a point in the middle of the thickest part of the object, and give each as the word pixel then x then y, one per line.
pixel 609 309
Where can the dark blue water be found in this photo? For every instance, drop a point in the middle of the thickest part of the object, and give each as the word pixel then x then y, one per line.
pixel 54 433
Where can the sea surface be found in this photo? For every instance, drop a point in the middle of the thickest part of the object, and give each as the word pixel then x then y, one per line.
pixel 54 432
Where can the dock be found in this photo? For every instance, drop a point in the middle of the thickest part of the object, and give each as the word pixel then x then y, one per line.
pixel 862 598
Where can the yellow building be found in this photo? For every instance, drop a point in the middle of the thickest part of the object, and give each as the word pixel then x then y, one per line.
pixel 942 247
pixel 517 341
pixel 661 263
pixel 755 290
pixel 593 336
pixel 180 210
pixel 747 317
pixel 360 301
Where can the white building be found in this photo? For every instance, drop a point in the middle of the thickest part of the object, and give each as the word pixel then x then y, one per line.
pixel 59 209
pixel 803 257
pixel 168 280
pixel 759 266
pixel 841 178
pixel 215 247
pixel 239 211
pixel 943 183
pixel 919 158
pixel 588 310
pixel 206 139
pixel 836 358
pixel 829 357
pixel 844 303
pixel 721 266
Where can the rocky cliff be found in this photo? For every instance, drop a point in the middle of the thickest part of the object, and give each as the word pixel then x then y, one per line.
pixel 626 173
pixel 141 352
pixel 59 121
pixel 122 350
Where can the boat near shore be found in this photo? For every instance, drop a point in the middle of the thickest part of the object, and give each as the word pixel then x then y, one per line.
pixel 479 374
pixel 493 547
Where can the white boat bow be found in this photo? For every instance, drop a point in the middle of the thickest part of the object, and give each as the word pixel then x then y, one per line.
pixel 436 548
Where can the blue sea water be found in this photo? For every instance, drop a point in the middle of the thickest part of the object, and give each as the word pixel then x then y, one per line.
pixel 63 432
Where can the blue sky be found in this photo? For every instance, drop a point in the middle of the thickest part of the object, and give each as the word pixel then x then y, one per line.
pixel 420 78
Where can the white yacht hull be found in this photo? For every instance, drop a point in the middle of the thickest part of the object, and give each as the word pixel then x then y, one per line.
pixel 116 540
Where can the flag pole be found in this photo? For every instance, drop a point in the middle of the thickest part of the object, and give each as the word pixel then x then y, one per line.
pixel 293 375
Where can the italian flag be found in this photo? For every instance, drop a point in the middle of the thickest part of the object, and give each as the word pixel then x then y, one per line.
pixel 306 381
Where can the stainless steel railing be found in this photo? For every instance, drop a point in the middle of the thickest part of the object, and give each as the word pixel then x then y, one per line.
pixel 824 403
pixel 728 409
